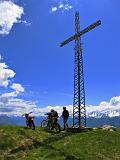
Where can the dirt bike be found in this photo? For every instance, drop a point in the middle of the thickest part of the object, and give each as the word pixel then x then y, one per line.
pixel 29 121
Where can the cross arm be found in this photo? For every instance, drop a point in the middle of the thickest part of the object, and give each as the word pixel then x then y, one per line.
pixel 92 26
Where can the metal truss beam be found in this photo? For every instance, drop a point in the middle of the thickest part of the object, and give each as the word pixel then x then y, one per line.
pixel 92 26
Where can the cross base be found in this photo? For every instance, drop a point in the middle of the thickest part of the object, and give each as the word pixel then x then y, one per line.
pixel 79 129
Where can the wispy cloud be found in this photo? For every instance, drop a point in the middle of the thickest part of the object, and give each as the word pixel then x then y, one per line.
pixel 17 107
pixel 26 23
pixel 17 87
pixel 61 6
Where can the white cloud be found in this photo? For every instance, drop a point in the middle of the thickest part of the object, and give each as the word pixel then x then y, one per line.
pixel 10 13
pixel 61 7
pixel 67 7
pixel 26 23
pixel 5 98
pixel 0 57
pixel 5 75
pixel 9 104
pixel 54 9
pixel 18 107
pixel 9 95
pixel 111 108
pixel 115 101
pixel 17 87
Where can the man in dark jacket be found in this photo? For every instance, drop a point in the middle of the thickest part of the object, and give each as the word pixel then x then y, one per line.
pixel 54 115
pixel 65 115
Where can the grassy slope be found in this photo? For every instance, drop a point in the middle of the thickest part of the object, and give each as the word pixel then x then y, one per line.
pixel 24 144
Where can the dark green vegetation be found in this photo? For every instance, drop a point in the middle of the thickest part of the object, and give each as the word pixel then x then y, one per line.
pixel 25 144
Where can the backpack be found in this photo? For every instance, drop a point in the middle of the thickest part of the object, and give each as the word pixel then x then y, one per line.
pixel 55 114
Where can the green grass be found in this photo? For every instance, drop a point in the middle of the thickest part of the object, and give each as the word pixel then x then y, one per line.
pixel 17 143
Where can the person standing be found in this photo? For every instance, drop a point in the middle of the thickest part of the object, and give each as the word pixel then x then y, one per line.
pixel 65 116
pixel 54 116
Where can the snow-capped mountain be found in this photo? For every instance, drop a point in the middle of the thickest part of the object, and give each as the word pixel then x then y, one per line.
pixel 105 109
pixel 104 113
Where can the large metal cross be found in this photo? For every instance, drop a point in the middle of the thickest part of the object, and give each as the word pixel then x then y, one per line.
pixel 79 110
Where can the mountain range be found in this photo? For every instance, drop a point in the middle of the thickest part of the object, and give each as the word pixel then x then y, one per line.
pixel 104 113
pixel 93 120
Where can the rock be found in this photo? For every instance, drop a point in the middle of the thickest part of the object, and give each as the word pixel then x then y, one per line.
pixel 108 128
pixel 94 129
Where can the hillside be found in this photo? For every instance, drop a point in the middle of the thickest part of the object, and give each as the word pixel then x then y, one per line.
pixel 25 144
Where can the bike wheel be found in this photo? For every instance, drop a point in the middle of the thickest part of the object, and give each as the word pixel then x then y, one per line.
pixel 44 124
pixel 57 128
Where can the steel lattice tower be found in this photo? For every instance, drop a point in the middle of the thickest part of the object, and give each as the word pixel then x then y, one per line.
pixel 79 111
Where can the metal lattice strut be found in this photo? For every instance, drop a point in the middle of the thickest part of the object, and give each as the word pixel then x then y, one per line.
pixel 79 112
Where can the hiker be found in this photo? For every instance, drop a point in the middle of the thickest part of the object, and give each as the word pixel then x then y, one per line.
pixel 54 116
pixel 65 115
pixel 29 121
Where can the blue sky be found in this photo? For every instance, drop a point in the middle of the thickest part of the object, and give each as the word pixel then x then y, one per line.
pixel 45 71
